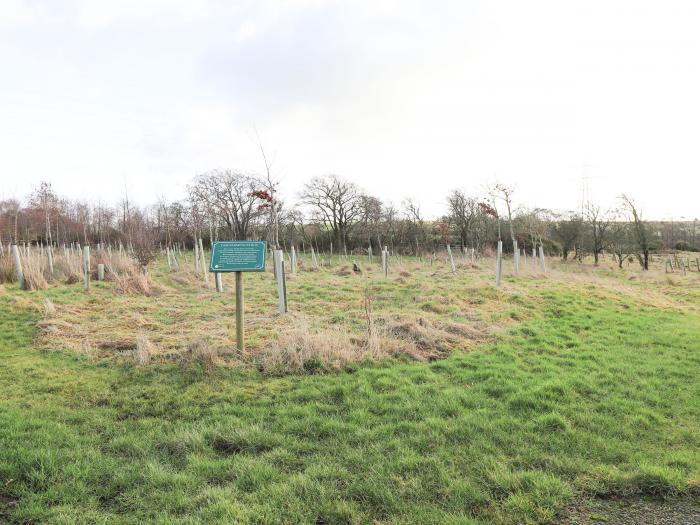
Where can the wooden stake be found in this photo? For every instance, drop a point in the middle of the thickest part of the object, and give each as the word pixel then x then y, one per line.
pixel 240 342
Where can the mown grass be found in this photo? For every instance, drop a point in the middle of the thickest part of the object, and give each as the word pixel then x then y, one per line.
pixel 595 391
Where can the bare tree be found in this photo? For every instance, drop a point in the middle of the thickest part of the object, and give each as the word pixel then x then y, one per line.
pixel 271 187
pixel 639 229
pixel 390 224
pixel 234 198
pixel 536 222
pixel 505 193
pixel 622 241
pixel 371 217
pixel 44 199
pixel 567 232
pixel 416 223
pixel 83 211
pixel 464 214
pixel 10 210
pixel 337 203
pixel 599 223
pixel 143 240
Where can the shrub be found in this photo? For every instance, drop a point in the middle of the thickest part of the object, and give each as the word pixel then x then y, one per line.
pixel 200 351
pixel 685 246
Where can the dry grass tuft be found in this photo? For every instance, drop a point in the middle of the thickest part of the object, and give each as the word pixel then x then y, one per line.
pixel 34 277
pixel 56 328
pixel 200 351
pixel 303 351
pixel 425 341
pixel 23 304
pixel 344 271
pixel 141 353
pixel 68 268
pixel 7 270
pixel 49 309
pixel 73 278
pixel 132 282
pixel 116 264
pixel 118 345
pixel 188 278
pixel 467 265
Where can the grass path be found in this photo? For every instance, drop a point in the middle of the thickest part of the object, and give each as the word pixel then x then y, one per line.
pixel 593 397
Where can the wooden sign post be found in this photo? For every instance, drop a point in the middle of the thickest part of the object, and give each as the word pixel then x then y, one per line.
pixel 240 318
pixel 238 257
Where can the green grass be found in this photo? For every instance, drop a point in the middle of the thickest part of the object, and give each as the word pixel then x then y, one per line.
pixel 592 393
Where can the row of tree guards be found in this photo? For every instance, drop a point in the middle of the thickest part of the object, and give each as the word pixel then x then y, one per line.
pixel 683 264
pixel 278 262
pixel 254 260
pixel 85 266
pixel 517 253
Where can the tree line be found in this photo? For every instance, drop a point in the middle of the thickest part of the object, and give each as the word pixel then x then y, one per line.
pixel 334 215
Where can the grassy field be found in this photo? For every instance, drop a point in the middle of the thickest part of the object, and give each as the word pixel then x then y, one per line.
pixel 471 404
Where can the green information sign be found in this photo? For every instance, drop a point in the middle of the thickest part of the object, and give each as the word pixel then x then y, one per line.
pixel 238 256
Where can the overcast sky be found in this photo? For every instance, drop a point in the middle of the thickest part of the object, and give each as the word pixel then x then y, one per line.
pixel 406 98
